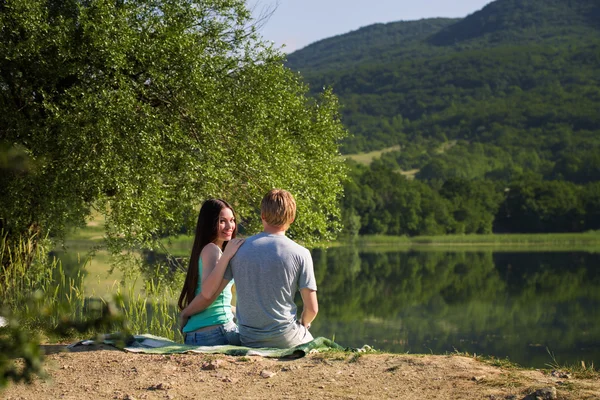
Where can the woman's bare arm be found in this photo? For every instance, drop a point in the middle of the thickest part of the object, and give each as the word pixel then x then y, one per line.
pixel 210 256
pixel 215 280
pixel 198 304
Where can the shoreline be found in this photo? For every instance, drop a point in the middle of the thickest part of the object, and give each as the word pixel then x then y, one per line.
pixel 586 240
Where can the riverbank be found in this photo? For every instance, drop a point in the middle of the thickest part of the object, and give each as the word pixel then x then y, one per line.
pixel 107 373
pixel 92 235
pixel 508 240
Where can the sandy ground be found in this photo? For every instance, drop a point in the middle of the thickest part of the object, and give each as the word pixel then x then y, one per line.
pixel 106 373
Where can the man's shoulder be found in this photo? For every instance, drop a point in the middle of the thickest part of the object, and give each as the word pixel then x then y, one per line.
pixel 297 247
pixel 277 241
pixel 252 238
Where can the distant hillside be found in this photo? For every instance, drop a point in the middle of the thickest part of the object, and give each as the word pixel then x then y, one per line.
pixel 532 20
pixel 475 80
pixel 496 116
pixel 374 42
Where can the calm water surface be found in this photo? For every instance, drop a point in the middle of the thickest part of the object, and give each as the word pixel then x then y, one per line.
pixel 520 305
pixel 516 305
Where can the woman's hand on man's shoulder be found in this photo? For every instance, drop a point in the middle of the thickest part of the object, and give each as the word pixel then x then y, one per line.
pixel 232 247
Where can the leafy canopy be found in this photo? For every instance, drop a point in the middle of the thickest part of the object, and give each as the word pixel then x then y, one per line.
pixel 141 109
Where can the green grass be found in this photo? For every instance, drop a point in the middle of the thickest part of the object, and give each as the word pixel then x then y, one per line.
pixel 582 370
pixel 147 304
pixel 179 246
pixel 528 242
pixel 490 360
pixel 587 241
pixel 93 232
pixel 367 158
pixel 43 295
pixel 101 279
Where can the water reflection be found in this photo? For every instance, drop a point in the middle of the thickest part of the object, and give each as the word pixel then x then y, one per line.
pixel 505 304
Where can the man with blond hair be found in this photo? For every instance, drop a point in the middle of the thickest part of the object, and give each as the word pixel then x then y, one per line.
pixel 268 270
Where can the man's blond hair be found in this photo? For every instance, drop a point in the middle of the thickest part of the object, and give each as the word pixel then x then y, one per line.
pixel 278 208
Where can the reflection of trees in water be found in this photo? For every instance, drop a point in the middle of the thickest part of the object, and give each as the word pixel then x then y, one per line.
pixel 490 303
pixel 384 284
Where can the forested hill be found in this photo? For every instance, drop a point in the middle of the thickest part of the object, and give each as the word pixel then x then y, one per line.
pixel 498 113
pixel 394 91
pixel 378 42
pixel 524 21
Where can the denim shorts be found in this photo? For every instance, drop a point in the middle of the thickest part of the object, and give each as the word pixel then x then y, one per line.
pixel 220 335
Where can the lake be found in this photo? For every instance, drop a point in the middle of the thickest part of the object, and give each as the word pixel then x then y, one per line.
pixel 532 307
pixel 521 305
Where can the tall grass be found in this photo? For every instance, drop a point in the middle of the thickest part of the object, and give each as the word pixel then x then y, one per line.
pixel 152 311
pixel 35 288
pixel 582 370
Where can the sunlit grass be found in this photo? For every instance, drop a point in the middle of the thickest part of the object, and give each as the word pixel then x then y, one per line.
pixel 530 242
pixel 580 370
pixel 179 246
pixel 491 360
pixel 43 294
pixel 152 311
pixel 367 158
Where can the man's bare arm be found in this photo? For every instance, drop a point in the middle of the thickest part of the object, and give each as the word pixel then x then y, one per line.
pixel 311 306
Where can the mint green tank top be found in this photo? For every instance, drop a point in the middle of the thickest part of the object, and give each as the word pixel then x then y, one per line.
pixel 218 313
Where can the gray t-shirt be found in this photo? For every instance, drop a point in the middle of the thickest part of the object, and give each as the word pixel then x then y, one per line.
pixel 268 271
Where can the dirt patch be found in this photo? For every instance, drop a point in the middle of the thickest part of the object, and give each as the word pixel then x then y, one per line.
pixel 105 373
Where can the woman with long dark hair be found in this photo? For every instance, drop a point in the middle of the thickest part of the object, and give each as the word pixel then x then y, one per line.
pixel 209 321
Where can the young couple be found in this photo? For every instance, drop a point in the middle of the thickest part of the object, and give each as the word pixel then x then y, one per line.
pixel 268 269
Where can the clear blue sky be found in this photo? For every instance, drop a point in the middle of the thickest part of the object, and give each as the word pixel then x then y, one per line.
pixel 298 23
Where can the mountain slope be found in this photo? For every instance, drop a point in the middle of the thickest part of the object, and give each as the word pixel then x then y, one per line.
pixel 533 20
pixel 543 93
pixel 374 42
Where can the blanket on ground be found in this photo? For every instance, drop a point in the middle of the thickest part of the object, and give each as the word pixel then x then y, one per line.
pixel 158 345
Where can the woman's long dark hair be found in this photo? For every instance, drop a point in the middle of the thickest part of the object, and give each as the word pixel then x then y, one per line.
pixel 206 232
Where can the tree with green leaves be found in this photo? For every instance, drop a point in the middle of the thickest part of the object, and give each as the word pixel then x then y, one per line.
pixel 140 109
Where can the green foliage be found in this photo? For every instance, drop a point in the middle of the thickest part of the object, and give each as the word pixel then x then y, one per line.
pixel 17 343
pixel 38 297
pixel 140 110
pixel 379 200
pixel 28 270
pixel 473 203
pixel 388 203
pixel 523 20
pixel 588 241
pixel 153 309
pixel 541 206
pixel 510 95
pixel 374 42
pixel 507 95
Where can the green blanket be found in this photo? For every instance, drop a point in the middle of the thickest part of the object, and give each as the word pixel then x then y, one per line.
pixel 158 345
